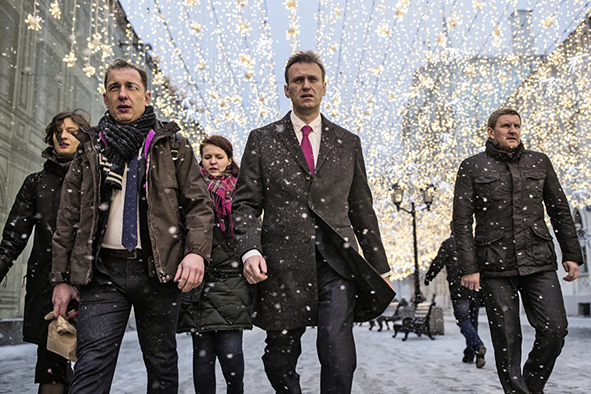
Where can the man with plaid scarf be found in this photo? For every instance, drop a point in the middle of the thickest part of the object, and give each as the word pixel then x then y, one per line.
pixel 134 229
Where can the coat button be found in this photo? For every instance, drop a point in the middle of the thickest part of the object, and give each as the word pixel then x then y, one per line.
pixel 307 177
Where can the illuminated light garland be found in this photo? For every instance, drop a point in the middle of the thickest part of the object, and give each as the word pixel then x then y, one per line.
pixel 33 20
pixel 292 33
pixel 54 10
pixel 396 70
pixel 70 58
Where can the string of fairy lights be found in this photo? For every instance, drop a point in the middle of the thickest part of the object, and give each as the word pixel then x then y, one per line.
pixel 415 79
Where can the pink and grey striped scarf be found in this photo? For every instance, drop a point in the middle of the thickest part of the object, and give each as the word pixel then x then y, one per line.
pixel 221 188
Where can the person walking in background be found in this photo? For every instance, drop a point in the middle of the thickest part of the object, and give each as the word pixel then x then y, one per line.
pixel 465 302
pixel 217 312
pixel 134 230
pixel 306 177
pixel 36 206
pixel 511 253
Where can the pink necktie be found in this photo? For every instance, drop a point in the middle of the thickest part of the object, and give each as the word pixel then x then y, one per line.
pixel 307 148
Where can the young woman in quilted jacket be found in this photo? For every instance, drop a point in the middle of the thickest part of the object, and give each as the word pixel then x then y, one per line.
pixel 219 310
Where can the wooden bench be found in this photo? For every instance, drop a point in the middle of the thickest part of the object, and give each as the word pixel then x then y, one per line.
pixel 419 323
pixel 389 315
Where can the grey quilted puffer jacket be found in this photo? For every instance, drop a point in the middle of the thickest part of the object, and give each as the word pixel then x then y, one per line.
pixel 224 300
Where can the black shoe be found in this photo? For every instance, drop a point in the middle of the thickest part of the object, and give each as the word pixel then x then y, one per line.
pixel 480 357
pixel 468 358
pixel 468 355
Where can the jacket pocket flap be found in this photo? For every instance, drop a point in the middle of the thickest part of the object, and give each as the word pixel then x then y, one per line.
pixel 486 178
pixel 482 240
pixel 535 175
pixel 541 232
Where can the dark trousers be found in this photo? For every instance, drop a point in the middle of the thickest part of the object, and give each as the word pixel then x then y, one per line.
pixel 105 305
pixel 544 307
pixel 227 347
pixel 335 342
pixel 51 367
pixel 466 314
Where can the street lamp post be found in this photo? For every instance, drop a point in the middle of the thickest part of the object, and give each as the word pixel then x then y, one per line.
pixel 427 193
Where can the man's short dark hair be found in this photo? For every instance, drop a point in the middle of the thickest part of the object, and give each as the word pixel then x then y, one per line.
pixel 78 116
pixel 119 64
pixel 304 57
pixel 492 120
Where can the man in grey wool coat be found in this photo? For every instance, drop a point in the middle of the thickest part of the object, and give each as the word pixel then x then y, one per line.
pixel 306 176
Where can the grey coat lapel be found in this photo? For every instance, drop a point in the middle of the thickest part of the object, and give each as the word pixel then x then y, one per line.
pixel 326 142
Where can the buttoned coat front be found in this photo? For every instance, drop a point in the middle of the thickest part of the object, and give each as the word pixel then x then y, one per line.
pixel 275 182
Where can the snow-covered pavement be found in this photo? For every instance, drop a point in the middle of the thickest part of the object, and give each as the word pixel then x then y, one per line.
pixel 385 365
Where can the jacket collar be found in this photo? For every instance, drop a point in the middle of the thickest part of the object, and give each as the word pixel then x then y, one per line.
pixel 58 164
pixel 288 136
pixel 494 150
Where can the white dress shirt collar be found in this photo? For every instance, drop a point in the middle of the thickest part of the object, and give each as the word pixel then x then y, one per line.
pixel 297 123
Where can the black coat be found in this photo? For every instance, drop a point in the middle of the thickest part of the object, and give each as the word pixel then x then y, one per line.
pixel 507 194
pixel 275 179
pixel 36 205
pixel 446 257
pixel 224 300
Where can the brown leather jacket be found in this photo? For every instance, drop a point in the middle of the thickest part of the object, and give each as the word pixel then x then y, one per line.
pixel 180 213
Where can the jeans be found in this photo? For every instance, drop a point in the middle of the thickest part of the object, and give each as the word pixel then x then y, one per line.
pixel 105 305
pixel 227 347
pixel 466 314
pixel 544 307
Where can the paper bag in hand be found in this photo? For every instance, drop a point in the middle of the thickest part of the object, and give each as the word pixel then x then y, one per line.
pixel 61 337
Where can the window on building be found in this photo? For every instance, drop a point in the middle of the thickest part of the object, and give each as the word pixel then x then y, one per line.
pixel 47 85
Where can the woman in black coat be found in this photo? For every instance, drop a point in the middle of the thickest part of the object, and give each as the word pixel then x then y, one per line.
pixel 219 310
pixel 36 205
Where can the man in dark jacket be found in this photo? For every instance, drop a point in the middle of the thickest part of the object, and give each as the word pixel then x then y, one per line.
pixel 512 253
pixel 465 302
pixel 133 221
pixel 308 177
